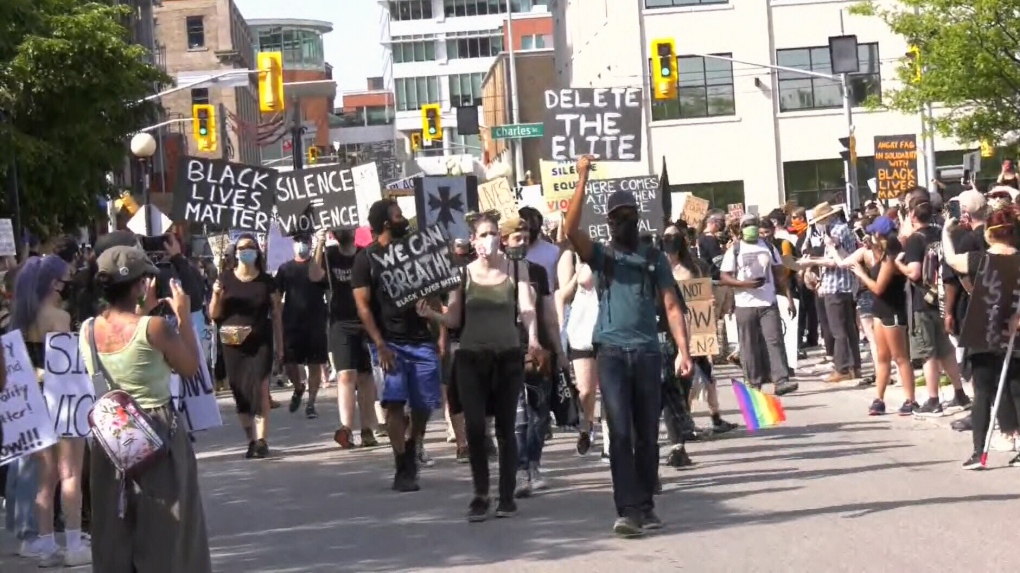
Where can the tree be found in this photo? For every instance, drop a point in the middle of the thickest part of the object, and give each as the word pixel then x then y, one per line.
pixel 970 57
pixel 69 80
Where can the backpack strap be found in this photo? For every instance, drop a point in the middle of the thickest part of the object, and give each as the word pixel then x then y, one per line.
pixel 651 264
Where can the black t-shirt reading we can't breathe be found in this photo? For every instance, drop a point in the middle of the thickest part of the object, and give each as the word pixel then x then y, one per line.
pixel 342 309
pixel 400 326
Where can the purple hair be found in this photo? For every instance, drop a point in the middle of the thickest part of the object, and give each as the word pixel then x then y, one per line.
pixel 32 285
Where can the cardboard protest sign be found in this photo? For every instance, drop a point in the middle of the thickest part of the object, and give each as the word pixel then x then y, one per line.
pixel 67 386
pixel 736 210
pixel 366 187
pixel 443 201
pixel 497 195
pixel 695 210
pixel 701 327
pixel 195 398
pixel 8 246
pixel 646 194
pixel 316 198
pixel 992 304
pixel 895 165
pixel 23 414
pixel 279 248
pixel 602 122
pixel 417 266
pixel 224 195
pixel 560 178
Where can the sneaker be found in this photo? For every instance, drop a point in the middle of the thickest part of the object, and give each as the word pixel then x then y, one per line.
pixel 52 558
pixel 583 443
pixel 908 408
pixel 720 426
pixel 973 463
pixel 1003 443
pixel 310 412
pixel 931 409
pixel 78 557
pixel 380 432
pixel 1015 462
pixel 678 458
pixel 965 424
pixel 866 381
pixel 345 438
pixel 478 510
pixel 462 455
pixel 650 521
pixel 251 451
pixel 959 403
pixel 877 408
pixel 368 439
pixel 424 459
pixel 30 549
pixel 523 488
pixel 295 399
pixel 837 377
pixel 538 483
pixel 627 527
pixel 261 449
pixel 784 388
pixel 506 508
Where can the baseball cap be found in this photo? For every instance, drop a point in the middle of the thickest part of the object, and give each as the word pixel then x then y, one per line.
pixel 125 264
pixel 620 199
pixel 971 201
pixel 749 219
pixel 882 226
pixel 115 239
pixel 512 225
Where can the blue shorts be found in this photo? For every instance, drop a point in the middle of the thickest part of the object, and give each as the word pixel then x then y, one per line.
pixel 415 381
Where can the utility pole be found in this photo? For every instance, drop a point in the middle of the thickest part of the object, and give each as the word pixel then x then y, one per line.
pixel 853 195
pixel 296 131
pixel 518 144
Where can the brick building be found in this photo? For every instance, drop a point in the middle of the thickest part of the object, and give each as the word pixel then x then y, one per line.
pixel 536 72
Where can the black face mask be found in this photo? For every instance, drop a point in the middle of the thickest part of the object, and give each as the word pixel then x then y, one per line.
pixel 625 232
pixel 398 229
pixel 671 244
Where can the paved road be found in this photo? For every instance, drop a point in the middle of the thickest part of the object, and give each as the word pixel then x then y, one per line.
pixel 831 490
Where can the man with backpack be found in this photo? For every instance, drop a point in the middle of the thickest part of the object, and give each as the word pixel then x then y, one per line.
pixel 921 263
pixel 630 276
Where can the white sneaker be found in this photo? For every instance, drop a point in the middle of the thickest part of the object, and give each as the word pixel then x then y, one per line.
pixel 53 558
pixel 78 557
pixel 538 483
pixel 523 488
pixel 29 550
pixel 1003 443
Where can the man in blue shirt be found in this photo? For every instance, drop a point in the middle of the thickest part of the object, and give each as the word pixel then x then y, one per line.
pixel 631 277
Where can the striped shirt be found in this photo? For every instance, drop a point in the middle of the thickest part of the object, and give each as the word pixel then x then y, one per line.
pixel 835 280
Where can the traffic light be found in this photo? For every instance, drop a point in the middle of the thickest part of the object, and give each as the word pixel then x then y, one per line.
pixel 664 69
pixel 431 122
pixel 271 81
pixel 313 155
pixel 987 149
pixel 849 145
pixel 204 118
pixel 416 141
pixel 914 54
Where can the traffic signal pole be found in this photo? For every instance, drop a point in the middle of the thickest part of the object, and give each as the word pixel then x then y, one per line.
pixel 296 131
pixel 515 111
pixel 853 196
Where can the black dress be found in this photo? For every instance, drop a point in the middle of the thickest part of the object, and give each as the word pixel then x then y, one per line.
pixel 249 364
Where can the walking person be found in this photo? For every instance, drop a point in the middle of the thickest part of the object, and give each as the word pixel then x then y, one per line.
pixel 490 360
pixel 246 306
pixel 581 303
pixel 631 277
pixel 164 531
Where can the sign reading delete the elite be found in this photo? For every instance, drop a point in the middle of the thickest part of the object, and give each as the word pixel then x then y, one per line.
pixel 645 190
pixel 415 267
pixel 316 198
pixel 223 194
pixel 602 122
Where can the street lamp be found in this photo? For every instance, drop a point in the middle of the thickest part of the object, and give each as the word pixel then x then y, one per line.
pixel 143 147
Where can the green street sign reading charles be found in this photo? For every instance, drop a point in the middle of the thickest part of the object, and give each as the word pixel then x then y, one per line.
pixel 519 131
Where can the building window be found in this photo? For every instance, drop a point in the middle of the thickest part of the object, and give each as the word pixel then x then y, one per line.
pixel 199 96
pixel 536 42
pixel 478 47
pixel 797 92
pixel 402 10
pixel 376 83
pixel 678 3
pixel 421 51
pixel 378 115
pixel 705 90
pixel 453 8
pixel 466 144
pixel 196 32
pixel 811 182
pixel 466 89
pixel 412 93
pixel 718 194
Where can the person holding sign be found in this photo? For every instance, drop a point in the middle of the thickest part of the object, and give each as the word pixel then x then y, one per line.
pixel 630 277
pixel 39 293
pixel 137 354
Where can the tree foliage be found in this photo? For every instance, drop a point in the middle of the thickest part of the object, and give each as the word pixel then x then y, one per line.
pixel 970 56
pixel 69 77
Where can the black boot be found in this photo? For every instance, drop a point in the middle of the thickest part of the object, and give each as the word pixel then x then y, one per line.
pixel 404 480
pixel 411 463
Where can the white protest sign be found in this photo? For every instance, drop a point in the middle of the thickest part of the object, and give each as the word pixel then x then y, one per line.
pixel 195 398
pixel 8 246
pixel 26 422
pixel 279 248
pixel 366 188
pixel 67 386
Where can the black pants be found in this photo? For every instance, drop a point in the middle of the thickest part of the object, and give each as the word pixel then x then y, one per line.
pixel 490 382
pixel 841 312
pixel 807 320
pixel 823 325
pixel 986 369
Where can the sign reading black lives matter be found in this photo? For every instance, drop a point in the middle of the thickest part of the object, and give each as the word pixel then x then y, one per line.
pixel 416 266
pixel 223 194
pixel 316 198
pixel 645 190
pixel 602 122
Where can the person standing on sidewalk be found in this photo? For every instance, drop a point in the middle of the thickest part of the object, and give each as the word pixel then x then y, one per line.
pixel 630 277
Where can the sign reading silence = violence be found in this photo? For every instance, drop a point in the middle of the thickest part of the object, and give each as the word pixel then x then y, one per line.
pixel 602 122
pixel 895 165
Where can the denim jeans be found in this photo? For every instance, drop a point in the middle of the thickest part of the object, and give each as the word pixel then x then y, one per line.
pixel 631 384
pixel 22 484
pixel 532 420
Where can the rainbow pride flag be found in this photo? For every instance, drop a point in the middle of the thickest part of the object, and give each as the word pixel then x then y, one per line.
pixel 760 410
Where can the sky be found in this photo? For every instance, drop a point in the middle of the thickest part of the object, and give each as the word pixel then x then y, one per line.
pixel 353 47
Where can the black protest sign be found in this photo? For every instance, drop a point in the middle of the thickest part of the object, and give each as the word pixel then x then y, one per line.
pixel 645 190
pixel 308 200
pixel 993 303
pixel 224 195
pixel 602 122
pixel 415 267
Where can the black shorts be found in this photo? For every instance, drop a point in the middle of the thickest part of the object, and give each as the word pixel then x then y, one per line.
pixel 348 350
pixel 305 347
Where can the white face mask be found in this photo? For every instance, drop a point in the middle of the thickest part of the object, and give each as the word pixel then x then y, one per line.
pixel 487 245
pixel 302 249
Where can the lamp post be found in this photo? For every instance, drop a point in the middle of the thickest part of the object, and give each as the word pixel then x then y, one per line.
pixel 143 147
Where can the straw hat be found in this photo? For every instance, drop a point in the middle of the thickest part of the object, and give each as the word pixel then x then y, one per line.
pixel 823 211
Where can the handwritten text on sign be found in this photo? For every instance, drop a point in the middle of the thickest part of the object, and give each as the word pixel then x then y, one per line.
pixel 645 191
pixel 67 386
pixel 194 397
pixel 701 325
pixel 416 267
pixel 602 122
pixel 26 423
pixel 316 198
pixel 497 195
pixel 695 210
pixel 223 194
pixel 895 165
